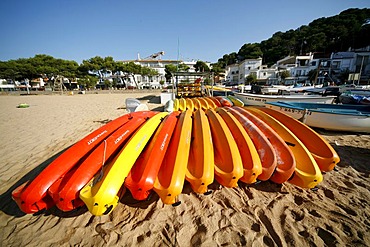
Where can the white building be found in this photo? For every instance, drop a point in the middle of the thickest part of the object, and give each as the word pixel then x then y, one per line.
pixel 237 73
pixel 158 65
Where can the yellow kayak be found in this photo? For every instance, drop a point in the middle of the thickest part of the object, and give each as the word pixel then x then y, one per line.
pixel 285 161
pixel 197 104
pixel 189 104
pixel 200 169
pixel 228 162
pixel 171 175
pixel 211 103
pixel 235 101
pixel 176 104
pixel 307 173
pixel 182 104
pixel 324 154
pixel 203 103
pixel 251 161
pixel 101 196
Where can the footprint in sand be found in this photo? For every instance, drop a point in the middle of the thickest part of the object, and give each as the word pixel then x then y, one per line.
pixel 298 200
pixel 329 194
pixel 327 237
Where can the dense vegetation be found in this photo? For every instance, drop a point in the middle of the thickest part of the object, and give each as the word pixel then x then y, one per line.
pixel 324 35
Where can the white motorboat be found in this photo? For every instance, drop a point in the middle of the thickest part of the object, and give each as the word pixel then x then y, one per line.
pixel 339 117
pixel 261 99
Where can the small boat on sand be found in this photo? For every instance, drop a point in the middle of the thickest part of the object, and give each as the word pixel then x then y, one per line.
pixel 354 118
pixel 262 99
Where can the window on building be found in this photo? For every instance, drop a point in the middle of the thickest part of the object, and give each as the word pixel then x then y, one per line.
pixel 336 65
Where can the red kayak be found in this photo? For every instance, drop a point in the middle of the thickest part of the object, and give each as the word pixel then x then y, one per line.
pixel 32 196
pixel 286 162
pixel 216 101
pixel 65 191
pixel 224 101
pixel 142 176
pixel 264 147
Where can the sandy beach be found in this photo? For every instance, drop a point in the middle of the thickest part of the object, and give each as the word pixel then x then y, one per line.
pixel 264 214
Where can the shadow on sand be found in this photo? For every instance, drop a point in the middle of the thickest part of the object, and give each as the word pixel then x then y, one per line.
pixel 7 205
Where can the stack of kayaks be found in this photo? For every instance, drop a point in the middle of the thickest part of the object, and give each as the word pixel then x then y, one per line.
pixel 203 140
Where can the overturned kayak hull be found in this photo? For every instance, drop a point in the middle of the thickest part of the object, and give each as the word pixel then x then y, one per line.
pixel 264 147
pixel 285 161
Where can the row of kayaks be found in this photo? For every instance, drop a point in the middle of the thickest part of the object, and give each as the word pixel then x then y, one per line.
pixel 182 104
pixel 146 151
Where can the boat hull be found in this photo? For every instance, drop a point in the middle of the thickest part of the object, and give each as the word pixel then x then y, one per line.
pixel 65 191
pixel 353 118
pixel 264 147
pixel 285 161
pixel 261 99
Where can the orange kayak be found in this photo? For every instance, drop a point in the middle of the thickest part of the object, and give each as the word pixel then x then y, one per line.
pixel 203 103
pixel 197 104
pixel 324 154
pixel 216 101
pixel 285 159
pixel 171 175
pixel 307 173
pixel 228 162
pixel 189 104
pixel 141 178
pixel 32 196
pixel 263 145
pixel 210 102
pixel 251 161
pixel 200 169
pixel 65 191
pixel 224 101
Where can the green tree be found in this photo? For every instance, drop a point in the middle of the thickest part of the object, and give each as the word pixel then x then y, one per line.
pixel 251 78
pixel 284 74
pixel 250 51
pixel 87 81
pixel 323 35
pixel 169 70
pixel 201 66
